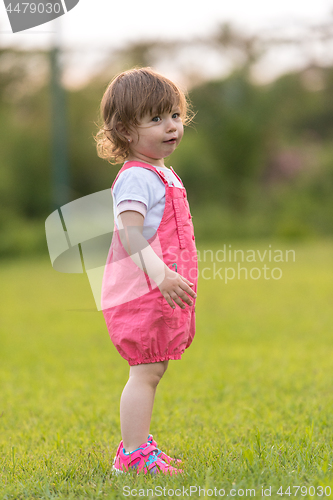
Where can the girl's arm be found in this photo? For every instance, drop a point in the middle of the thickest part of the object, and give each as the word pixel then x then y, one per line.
pixel 173 286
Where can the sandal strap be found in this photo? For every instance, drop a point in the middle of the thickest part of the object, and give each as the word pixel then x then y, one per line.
pixel 151 462
pixel 147 450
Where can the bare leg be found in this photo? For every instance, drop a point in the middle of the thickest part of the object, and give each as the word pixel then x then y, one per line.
pixel 136 404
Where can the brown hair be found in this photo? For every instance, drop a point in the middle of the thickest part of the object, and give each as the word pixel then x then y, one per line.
pixel 130 96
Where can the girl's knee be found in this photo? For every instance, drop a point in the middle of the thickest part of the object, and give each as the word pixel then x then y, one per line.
pixel 160 368
pixel 150 372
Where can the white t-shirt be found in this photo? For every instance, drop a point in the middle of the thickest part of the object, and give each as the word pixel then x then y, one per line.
pixel 137 184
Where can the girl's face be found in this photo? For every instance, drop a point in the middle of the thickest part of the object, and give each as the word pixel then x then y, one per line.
pixel 156 137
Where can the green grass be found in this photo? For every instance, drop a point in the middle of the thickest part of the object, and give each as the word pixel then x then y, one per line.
pixel 249 405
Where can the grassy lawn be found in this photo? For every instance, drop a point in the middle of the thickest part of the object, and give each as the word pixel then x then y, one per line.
pixel 248 407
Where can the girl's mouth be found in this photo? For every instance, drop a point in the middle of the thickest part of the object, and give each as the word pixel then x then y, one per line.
pixel 170 141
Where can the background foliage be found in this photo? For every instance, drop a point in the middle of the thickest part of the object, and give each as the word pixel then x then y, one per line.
pixel 257 160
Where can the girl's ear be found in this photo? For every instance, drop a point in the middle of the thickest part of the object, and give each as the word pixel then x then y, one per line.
pixel 122 130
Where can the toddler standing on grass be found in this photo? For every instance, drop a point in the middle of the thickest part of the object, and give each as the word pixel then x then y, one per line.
pixel 150 279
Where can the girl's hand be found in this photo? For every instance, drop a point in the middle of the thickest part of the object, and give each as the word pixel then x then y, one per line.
pixel 176 289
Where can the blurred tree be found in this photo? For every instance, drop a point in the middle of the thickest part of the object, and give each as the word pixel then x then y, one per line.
pixel 233 122
pixel 259 153
pixel 24 120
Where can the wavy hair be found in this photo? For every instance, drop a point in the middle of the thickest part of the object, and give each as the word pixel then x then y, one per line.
pixel 131 95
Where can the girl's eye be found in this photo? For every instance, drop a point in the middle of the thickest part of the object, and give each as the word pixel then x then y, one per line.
pixel 176 115
pixel 156 119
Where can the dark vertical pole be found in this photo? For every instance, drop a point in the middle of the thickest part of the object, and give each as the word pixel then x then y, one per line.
pixel 60 174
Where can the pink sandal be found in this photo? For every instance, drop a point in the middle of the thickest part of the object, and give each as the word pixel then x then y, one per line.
pixel 144 459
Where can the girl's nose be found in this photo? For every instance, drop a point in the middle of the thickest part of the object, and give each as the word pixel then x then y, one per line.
pixel 171 126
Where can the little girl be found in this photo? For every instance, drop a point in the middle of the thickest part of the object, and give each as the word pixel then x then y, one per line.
pixel 150 278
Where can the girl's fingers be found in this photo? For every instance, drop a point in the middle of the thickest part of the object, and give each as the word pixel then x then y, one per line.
pixel 187 281
pixel 184 296
pixel 173 298
pixel 180 292
pixel 177 299
pixel 187 289
pixel 169 301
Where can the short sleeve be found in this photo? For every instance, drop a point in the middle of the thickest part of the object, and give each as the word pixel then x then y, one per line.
pixel 138 184
pixel 136 206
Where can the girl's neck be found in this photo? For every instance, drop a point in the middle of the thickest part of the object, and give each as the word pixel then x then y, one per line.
pixel 158 162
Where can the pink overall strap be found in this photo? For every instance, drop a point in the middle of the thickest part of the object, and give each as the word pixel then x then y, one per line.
pixel 130 164
pixel 177 176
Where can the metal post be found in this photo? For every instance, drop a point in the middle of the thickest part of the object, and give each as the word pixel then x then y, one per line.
pixel 60 163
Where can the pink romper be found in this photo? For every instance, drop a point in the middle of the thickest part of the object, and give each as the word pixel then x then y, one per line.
pixel 141 324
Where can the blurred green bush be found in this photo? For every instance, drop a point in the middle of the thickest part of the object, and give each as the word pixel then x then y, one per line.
pixel 256 162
